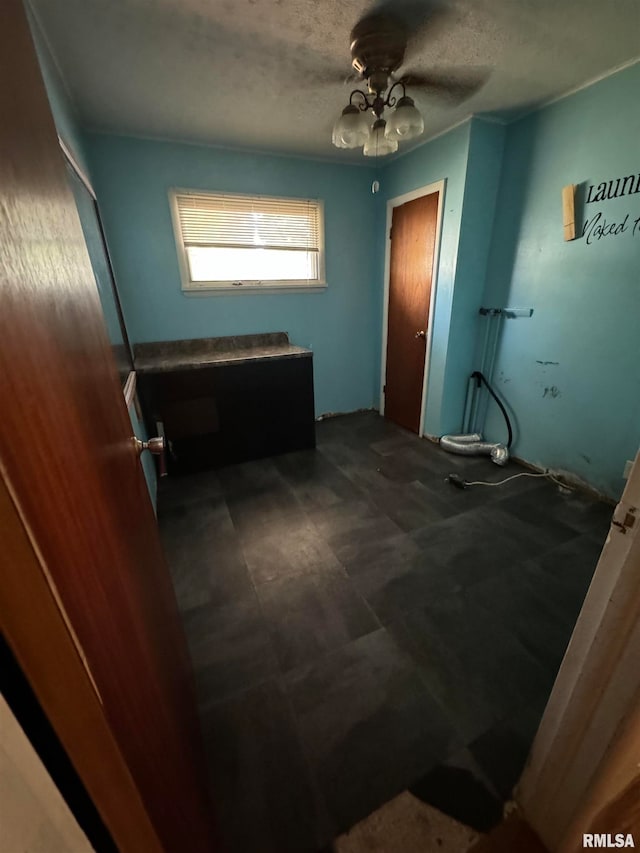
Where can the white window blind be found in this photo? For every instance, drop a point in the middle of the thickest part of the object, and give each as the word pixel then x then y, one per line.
pixel 248 240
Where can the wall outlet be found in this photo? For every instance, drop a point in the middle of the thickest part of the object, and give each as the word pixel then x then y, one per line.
pixel 628 465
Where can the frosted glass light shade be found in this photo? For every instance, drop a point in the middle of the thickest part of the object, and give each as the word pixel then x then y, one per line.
pixel 406 121
pixel 336 138
pixel 377 145
pixel 352 128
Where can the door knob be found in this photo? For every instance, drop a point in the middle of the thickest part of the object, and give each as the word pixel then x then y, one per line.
pixel 153 445
pixel 421 334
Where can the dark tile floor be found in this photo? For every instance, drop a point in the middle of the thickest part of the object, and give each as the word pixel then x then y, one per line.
pixel 358 627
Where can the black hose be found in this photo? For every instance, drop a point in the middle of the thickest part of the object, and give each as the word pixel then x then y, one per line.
pixel 480 378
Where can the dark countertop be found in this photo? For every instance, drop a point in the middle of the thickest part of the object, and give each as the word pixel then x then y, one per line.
pixel 165 356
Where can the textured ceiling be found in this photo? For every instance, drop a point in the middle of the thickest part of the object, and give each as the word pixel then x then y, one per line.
pixel 266 74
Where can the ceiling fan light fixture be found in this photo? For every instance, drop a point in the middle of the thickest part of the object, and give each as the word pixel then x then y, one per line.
pixel 336 138
pixel 352 128
pixel 406 121
pixel 377 144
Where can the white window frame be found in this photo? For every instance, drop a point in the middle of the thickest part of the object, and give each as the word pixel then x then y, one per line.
pixel 190 287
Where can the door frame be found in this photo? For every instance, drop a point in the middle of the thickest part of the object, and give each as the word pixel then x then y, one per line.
pixel 84 180
pixel 585 750
pixel 429 189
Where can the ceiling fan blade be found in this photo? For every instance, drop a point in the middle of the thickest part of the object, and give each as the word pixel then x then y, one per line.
pixel 454 85
pixel 418 17
pixel 330 74
pixel 335 76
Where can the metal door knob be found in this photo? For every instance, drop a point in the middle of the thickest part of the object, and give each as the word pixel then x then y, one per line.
pixel 421 334
pixel 153 445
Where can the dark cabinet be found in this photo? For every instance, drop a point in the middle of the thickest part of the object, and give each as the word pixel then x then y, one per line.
pixel 221 414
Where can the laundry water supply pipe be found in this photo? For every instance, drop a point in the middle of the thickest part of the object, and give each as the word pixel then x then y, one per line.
pixel 471 441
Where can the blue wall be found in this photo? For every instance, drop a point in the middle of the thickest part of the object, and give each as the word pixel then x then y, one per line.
pixel 442 158
pixel 62 108
pixel 132 178
pixel 501 245
pixel 482 179
pixel 571 373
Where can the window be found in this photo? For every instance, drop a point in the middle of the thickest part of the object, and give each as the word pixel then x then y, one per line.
pixel 247 242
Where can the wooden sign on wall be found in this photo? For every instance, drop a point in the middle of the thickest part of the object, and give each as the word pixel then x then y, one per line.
pixel 597 225
pixel 569 212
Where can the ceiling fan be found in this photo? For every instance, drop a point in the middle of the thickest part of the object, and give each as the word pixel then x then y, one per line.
pixel 379 43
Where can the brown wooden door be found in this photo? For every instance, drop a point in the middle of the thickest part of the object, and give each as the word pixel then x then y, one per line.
pixel 413 239
pixel 69 469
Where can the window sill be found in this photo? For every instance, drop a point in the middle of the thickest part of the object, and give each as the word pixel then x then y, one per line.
pixel 275 287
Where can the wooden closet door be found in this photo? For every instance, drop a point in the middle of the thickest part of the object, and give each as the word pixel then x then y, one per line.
pixel 413 238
